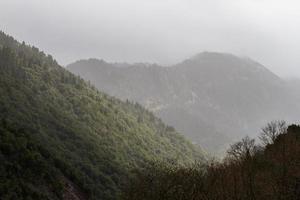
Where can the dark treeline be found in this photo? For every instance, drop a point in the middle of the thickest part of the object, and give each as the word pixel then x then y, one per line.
pixel 249 171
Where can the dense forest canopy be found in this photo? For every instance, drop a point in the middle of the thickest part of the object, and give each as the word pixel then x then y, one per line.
pixel 57 131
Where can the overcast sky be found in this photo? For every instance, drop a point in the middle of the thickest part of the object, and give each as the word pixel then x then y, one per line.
pixel 160 31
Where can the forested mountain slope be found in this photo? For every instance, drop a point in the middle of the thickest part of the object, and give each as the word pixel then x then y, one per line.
pixel 213 98
pixel 59 134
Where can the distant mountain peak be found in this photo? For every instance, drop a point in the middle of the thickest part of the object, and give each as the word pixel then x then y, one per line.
pixel 229 62
pixel 212 54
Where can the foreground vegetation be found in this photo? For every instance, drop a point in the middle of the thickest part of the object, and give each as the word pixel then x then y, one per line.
pixel 57 130
pixel 249 172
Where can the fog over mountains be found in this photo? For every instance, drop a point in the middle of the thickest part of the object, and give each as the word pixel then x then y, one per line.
pixel 212 98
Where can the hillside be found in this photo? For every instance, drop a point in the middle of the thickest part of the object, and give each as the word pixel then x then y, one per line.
pixel 60 138
pixel 212 98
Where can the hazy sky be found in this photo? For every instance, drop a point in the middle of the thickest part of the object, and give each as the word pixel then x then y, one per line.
pixel 161 31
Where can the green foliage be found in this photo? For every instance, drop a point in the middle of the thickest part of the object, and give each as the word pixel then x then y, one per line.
pixel 26 167
pixel 87 136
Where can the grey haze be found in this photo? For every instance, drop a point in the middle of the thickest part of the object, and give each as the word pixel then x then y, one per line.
pixel 159 31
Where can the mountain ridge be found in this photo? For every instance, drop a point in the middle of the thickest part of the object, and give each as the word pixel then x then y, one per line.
pixel 213 91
